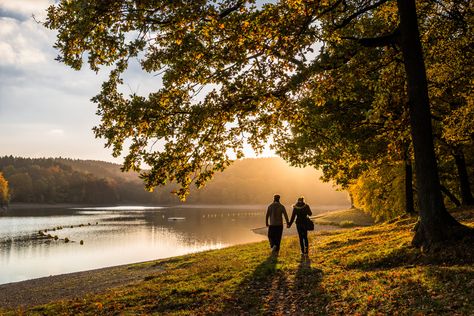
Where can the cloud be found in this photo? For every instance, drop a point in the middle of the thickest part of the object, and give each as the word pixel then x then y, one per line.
pixel 21 42
pixel 45 106
pixel 7 54
pixel 56 131
pixel 38 95
pixel 12 15
pixel 23 9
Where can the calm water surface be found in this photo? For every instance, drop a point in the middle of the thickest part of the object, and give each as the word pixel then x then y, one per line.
pixel 115 235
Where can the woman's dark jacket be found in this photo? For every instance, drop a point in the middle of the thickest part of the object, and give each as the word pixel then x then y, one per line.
pixel 300 211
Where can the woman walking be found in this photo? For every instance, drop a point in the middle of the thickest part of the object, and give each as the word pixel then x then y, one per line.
pixel 300 211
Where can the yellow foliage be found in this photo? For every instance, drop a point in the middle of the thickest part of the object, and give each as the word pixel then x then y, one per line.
pixel 4 192
pixel 380 192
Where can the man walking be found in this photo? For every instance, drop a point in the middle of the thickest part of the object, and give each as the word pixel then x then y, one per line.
pixel 275 212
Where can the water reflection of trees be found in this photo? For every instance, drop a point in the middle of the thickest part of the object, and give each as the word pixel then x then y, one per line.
pixel 225 225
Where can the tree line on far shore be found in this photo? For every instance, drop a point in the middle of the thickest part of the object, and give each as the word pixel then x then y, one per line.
pixel 249 181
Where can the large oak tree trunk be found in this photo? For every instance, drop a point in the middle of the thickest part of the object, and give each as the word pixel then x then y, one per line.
pixel 465 186
pixel 435 222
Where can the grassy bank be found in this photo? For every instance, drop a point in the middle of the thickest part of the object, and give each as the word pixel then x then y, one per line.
pixel 344 218
pixel 358 271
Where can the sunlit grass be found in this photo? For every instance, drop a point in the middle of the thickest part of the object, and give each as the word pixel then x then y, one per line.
pixel 344 218
pixel 358 271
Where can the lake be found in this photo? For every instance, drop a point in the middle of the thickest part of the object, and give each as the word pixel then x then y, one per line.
pixel 116 235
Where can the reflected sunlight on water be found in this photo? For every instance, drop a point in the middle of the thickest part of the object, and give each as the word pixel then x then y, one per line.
pixel 119 208
pixel 114 236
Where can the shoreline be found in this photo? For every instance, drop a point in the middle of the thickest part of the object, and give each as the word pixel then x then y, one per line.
pixel 75 285
pixel 346 272
pixel 72 285
pixel 258 231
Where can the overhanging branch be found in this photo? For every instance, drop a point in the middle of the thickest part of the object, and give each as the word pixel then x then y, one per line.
pixel 380 41
pixel 359 12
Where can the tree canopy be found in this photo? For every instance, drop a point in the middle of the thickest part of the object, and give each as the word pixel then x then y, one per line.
pixel 367 135
pixel 231 72
pixel 334 83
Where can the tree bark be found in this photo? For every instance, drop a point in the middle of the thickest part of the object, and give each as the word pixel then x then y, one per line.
pixel 464 185
pixel 451 196
pixel 351 197
pixel 409 201
pixel 435 221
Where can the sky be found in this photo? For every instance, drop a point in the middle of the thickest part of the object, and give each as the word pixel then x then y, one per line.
pixel 45 107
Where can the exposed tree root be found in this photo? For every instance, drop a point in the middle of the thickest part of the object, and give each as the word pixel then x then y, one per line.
pixel 435 240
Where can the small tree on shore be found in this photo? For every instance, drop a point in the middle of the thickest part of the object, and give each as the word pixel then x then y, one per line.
pixel 4 191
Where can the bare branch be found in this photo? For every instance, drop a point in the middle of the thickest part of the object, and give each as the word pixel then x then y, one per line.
pixel 231 9
pixel 359 12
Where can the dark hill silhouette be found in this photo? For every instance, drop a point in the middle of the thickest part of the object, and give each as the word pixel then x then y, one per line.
pixel 256 180
pixel 247 181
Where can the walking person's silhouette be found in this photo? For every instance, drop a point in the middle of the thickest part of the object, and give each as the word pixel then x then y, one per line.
pixel 274 222
pixel 300 211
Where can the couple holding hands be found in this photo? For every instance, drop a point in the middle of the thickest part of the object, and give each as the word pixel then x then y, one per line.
pixel 274 221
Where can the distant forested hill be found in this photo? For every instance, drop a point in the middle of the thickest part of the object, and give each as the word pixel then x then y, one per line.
pixel 248 181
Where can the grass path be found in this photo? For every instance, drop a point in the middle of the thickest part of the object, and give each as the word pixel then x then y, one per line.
pixel 363 271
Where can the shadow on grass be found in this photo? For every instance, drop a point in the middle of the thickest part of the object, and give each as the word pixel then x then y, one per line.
pixel 453 254
pixel 441 290
pixel 272 291
pixel 399 257
pixel 410 296
pixel 342 243
pixel 454 286
pixel 251 296
pixel 309 297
